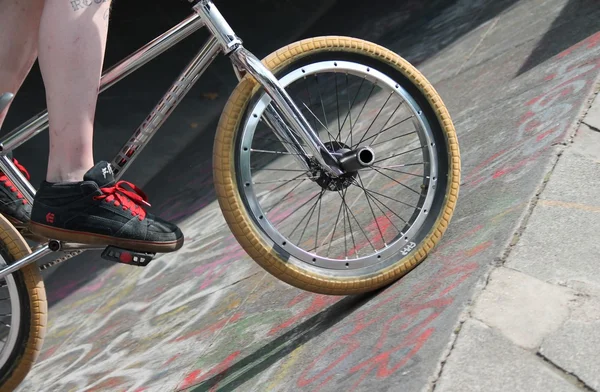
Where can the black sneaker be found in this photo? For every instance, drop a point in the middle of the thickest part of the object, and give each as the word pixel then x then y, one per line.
pixel 98 211
pixel 12 203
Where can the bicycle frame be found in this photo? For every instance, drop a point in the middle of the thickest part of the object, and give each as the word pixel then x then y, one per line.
pixel 282 115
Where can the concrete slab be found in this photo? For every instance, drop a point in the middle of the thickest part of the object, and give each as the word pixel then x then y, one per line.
pixel 569 202
pixel 574 255
pixel 593 116
pixel 574 347
pixel 576 178
pixel 483 360
pixel 522 308
pixel 541 23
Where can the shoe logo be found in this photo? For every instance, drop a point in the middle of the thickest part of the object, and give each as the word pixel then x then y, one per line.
pixel 106 170
pixel 50 217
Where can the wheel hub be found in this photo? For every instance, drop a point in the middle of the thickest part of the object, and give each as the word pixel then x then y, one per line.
pixel 328 182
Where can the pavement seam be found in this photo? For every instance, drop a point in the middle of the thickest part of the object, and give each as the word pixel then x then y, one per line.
pixel 567 375
pixel 466 315
pixel 593 128
pixel 482 38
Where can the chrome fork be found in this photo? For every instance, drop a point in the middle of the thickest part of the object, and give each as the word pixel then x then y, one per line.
pixel 283 104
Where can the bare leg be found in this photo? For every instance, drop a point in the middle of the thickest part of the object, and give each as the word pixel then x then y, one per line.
pixel 19 22
pixel 72 43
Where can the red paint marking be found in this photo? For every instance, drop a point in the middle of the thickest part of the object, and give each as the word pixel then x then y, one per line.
pixel 541 136
pixel 381 362
pixel 382 223
pixel 478 249
pixel 220 369
pixel 532 125
pixel 590 42
pixel 170 360
pixel 526 117
pixel 50 217
pixel 48 353
pixel 532 101
pixel 318 303
pixel 463 236
pixel 190 379
pixel 476 171
pixel 348 348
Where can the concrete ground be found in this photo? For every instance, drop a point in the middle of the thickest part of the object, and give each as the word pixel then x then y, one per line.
pixel 535 325
pixel 517 77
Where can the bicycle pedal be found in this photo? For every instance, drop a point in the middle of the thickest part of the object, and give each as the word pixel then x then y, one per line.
pixel 124 256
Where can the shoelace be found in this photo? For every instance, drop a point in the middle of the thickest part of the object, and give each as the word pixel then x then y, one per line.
pixel 9 184
pixel 128 199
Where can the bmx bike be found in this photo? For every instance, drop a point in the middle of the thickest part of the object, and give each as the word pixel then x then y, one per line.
pixel 335 162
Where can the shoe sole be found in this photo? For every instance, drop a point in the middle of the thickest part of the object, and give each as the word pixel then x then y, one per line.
pixel 104 240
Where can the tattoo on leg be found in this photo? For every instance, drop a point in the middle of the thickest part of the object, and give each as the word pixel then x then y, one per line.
pixel 82 4
pixel 76 4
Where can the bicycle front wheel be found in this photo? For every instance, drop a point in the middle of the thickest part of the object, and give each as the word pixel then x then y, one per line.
pixel 365 229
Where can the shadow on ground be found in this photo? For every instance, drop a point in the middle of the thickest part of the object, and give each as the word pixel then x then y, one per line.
pixel 269 354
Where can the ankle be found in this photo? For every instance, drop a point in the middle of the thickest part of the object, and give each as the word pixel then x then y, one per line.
pixel 70 176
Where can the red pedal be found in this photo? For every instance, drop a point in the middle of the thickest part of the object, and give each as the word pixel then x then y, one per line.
pixel 125 256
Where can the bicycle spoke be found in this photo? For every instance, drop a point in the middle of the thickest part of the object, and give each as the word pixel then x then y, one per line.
pixel 310 103
pixel 365 104
pixel 286 170
pixel 399 171
pixel 390 127
pixel 274 152
pixel 350 109
pixel 376 200
pixel 298 208
pixel 391 198
pixel 386 123
pixel 371 208
pixel 359 225
pixel 394 138
pixel 344 219
pixel 396 181
pixel 322 104
pixel 389 167
pixel 324 127
pixel 312 208
pixel 318 222
pixel 337 105
pixel 287 194
pixel 310 217
pixel 375 119
pixel 397 155
pixel 343 196
pixel 334 229
pixel 286 180
pixel 269 139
